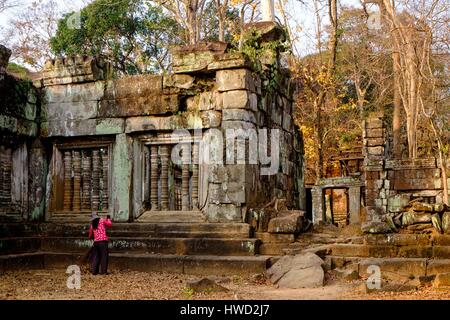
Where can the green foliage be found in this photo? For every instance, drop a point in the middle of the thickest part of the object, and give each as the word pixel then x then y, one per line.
pixel 210 22
pixel 132 34
pixel 266 53
pixel 17 70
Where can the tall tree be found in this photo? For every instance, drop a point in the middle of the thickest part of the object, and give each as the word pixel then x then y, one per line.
pixel 29 33
pixel 8 4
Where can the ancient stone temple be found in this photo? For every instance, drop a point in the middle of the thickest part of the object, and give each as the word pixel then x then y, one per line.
pixel 184 160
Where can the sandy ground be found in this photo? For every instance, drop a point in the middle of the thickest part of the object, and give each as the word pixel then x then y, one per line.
pixel 52 284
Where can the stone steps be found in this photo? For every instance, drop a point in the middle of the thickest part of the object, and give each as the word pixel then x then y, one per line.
pixel 194 265
pixel 180 246
pixel 194 248
pixel 413 272
pixel 172 217
pixel 19 245
pixel 390 251
pixel 159 230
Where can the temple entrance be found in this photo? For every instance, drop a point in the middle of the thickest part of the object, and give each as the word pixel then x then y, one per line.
pixel 336 206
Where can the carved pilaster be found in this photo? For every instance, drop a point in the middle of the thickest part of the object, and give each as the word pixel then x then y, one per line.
pixel 67 181
pixel 76 204
pixel 185 176
pixel 105 190
pixel 195 174
pixel 86 176
pixel 164 177
pixel 95 180
pixel 154 177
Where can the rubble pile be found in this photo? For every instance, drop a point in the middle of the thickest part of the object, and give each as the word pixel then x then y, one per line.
pixel 417 217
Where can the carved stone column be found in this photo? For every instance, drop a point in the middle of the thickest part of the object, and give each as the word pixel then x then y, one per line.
pixel 86 176
pixel 164 178
pixel 67 181
pixel 76 181
pixel 6 180
pixel 185 176
pixel 195 175
pixel 105 190
pixel 95 180
pixel 154 178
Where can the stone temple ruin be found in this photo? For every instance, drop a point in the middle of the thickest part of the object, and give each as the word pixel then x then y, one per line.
pixel 77 140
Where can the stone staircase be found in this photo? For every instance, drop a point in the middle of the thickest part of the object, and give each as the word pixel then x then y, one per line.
pixel 402 258
pixel 182 247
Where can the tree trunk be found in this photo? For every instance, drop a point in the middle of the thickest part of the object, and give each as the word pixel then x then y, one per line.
pixel 221 15
pixel 332 45
pixel 396 118
pixel 318 133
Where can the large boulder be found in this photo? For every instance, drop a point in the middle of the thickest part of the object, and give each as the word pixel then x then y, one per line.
pixel 446 222
pixel 299 271
pixel 287 223
pixel 398 202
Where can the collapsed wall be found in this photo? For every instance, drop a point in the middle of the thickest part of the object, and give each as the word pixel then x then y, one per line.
pixel 396 186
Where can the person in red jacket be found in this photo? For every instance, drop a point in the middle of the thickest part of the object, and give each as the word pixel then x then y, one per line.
pixel 100 254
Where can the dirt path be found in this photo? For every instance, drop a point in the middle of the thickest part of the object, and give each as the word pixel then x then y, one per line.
pixel 51 284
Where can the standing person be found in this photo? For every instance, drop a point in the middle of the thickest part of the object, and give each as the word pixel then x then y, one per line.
pixel 100 254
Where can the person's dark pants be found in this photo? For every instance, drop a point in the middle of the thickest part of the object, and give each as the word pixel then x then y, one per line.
pixel 100 255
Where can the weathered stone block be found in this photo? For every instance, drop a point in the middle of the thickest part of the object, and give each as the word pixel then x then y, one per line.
pixel 238 114
pixel 396 269
pixel 374 133
pixel 223 213
pixel 75 69
pixel 180 81
pixel 72 128
pixel 227 192
pixel 92 91
pixel 446 222
pixel 186 120
pixel 235 79
pixel 18 126
pixel 82 110
pixel 292 223
pixel 189 62
pixel 374 142
pixel 375 150
pixel 239 99
pixel 374 123
pixel 231 60
pixel 275 237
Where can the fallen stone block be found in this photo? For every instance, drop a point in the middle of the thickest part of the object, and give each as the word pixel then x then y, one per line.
pixel 312 277
pixel 446 222
pixel 300 271
pixel 376 227
pixel 288 224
